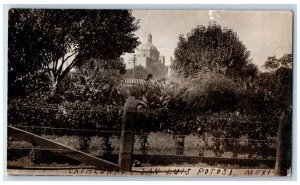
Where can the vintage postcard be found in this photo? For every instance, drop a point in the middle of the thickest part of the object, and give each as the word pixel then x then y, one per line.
pixel 110 92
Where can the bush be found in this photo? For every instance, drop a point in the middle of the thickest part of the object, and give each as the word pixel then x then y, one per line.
pixel 210 91
pixel 95 91
pixel 223 124
pixel 78 115
pixel 72 115
pixel 34 84
pixel 277 87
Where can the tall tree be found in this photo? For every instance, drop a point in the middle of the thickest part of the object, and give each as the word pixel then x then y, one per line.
pixel 212 48
pixel 57 40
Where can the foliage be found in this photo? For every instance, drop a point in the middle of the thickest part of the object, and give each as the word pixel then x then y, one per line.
pixel 97 67
pixel 277 87
pixel 165 106
pixel 273 63
pixel 213 48
pixel 210 91
pixel 56 41
pixel 224 124
pixel 85 120
pixel 107 145
pixel 276 83
pixel 35 84
pixel 71 115
pixel 179 140
pixel 26 43
pixel 97 88
pixel 155 94
pixel 139 72
pixel 84 142
pixel 35 154
pixel 144 143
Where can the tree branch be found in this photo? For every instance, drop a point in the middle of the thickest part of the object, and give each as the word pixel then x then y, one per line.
pixel 75 51
pixel 64 60
pixel 55 65
pixel 60 67
pixel 47 65
pixel 48 70
pixel 67 70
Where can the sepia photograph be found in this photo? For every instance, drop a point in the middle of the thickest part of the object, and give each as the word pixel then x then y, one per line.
pixel 139 92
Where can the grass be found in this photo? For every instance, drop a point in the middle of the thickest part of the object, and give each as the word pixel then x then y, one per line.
pixel 159 144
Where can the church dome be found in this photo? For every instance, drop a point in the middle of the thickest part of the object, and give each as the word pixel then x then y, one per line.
pixel 148 45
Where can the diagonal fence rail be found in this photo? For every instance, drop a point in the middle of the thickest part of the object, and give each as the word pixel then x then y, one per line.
pixel 59 148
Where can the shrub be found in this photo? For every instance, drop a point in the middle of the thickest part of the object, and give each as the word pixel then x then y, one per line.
pixel 73 115
pixel 97 89
pixel 32 84
pixel 210 91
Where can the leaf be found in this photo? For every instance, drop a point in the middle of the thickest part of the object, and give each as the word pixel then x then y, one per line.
pixel 143 103
pixel 145 99
pixel 165 102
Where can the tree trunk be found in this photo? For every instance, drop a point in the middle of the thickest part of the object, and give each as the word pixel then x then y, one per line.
pixel 53 95
pixel 53 91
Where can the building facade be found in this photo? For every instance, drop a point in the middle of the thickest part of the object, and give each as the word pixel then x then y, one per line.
pixel 148 57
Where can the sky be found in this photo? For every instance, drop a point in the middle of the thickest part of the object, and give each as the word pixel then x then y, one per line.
pixel 264 33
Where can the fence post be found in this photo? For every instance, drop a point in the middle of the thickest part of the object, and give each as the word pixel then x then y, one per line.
pixel 283 146
pixel 127 135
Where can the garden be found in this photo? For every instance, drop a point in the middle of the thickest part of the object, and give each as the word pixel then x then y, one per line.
pixel 176 122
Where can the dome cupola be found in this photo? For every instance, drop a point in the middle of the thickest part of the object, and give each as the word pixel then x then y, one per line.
pixel 148 45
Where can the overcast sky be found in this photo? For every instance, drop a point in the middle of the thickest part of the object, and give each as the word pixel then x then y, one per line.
pixel 264 33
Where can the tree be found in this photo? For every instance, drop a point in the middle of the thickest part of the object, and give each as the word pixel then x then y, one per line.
pixel 212 48
pixel 94 69
pixel 276 83
pixel 25 47
pixel 273 63
pixel 67 38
